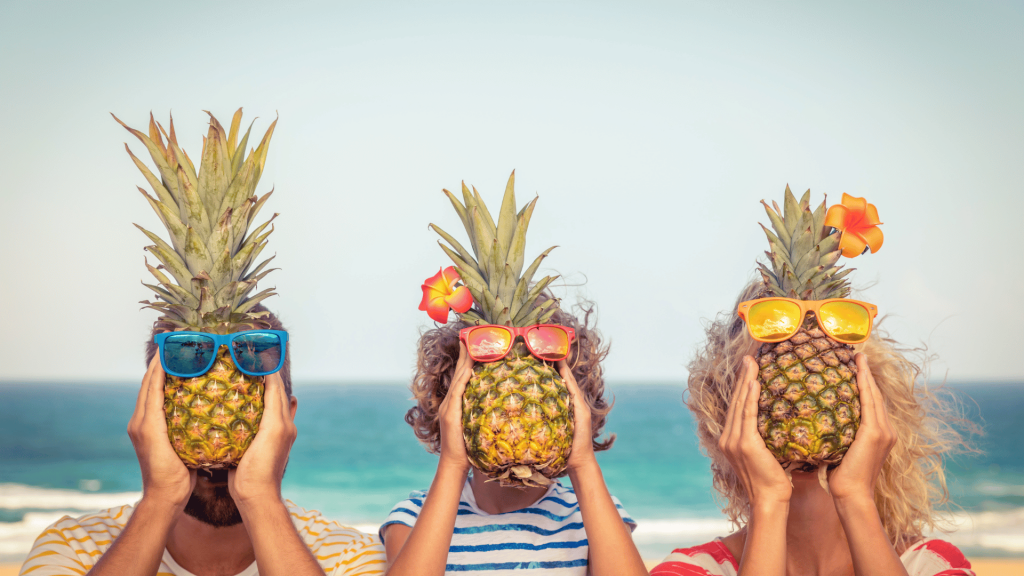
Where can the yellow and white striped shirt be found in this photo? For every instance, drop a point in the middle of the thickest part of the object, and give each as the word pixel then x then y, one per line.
pixel 72 546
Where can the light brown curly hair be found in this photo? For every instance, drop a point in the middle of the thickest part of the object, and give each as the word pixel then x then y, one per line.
pixel 438 352
pixel 928 423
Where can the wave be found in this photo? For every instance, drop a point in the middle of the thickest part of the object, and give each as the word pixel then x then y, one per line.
pixel 998 532
pixel 20 497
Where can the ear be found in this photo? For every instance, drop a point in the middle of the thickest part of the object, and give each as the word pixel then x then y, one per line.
pixel 293 405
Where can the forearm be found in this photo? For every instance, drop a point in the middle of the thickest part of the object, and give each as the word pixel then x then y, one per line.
pixel 279 549
pixel 425 552
pixel 764 551
pixel 139 548
pixel 612 552
pixel 873 554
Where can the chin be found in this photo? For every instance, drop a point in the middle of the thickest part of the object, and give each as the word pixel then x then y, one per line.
pixel 211 501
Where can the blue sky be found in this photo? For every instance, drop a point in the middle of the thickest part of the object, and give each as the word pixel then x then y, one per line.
pixel 650 131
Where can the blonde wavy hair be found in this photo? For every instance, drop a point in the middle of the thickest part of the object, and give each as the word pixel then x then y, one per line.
pixel 928 423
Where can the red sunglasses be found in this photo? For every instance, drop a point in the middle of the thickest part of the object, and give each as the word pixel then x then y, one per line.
pixel 491 342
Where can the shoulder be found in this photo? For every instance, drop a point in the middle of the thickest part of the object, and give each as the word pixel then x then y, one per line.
pixel 77 542
pixel 97 526
pixel 932 557
pixel 710 559
pixel 334 544
pixel 404 512
pixel 565 496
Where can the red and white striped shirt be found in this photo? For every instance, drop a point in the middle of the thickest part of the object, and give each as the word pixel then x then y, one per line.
pixel 925 558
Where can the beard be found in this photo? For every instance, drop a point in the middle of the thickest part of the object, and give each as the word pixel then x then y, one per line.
pixel 211 502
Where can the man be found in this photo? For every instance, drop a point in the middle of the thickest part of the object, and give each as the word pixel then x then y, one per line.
pixel 207 523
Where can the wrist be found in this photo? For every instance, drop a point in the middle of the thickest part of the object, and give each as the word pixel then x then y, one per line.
pixel 156 507
pixel 765 509
pixel 262 499
pixel 452 464
pixel 855 500
pixel 583 466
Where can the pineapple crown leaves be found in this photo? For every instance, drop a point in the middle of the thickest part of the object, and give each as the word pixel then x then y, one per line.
pixel 493 271
pixel 207 215
pixel 803 252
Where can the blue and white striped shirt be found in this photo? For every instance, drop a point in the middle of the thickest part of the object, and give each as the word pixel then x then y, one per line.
pixel 546 537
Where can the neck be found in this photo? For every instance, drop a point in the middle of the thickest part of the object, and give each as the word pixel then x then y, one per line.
pixel 493 499
pixel 815 540
pixel 207 551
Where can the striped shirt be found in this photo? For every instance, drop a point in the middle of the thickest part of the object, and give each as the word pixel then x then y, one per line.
pixel 547 537
pixel 925 558
pixel 72 546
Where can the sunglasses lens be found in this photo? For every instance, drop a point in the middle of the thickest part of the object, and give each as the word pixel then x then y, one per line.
pixel 188 353
pixel 489 343
pixel 257 352
pixel 845 321
pixel 773 320
pixel 548 342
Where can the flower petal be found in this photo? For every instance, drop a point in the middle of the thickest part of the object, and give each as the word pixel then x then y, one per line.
pixel 873 237
pixel 836 216
pixel 852 244
pixel 857 205
pixel 437 309
pixel 429 293
pixel 871 216
pixel 460 300
pixel 436 282
pixel 451 276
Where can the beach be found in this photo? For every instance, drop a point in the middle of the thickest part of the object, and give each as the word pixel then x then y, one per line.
pixel 351 466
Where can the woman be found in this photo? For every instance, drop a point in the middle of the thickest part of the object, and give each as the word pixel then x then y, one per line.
pixel 880 498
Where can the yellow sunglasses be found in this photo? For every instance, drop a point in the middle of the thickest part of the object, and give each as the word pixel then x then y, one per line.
pixel 776 319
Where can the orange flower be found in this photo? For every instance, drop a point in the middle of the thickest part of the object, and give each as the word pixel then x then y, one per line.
pixel 440 294
pixel 858 222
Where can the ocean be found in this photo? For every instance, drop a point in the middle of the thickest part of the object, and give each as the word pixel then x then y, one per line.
pixel 64 450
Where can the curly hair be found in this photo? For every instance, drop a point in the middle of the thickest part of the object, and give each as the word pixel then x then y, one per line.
pixel 928 423
pixel 438 352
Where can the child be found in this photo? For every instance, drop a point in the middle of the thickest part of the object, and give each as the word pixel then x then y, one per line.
pixel 471 525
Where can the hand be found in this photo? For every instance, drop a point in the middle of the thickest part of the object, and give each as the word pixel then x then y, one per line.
pixel 449 415
pixel 165 478
pixel 582 451
pixel 258 476
pixel 761 475
pixel 856 474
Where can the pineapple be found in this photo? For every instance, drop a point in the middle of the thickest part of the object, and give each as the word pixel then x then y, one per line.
pixel 212 418
pixel 517 415
pixel 809 406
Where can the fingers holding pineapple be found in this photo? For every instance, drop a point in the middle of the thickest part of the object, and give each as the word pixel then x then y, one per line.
pixel 164 477
pixel 582 451
pixel 860 468
pixel 449 415
pixel 259 474
pixel 761 475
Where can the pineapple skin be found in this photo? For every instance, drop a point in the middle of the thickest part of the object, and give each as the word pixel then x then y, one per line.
pixel 809 406
pixel 518 420
pixel 212 418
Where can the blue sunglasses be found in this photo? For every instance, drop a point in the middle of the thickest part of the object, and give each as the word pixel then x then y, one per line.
pixel 255 352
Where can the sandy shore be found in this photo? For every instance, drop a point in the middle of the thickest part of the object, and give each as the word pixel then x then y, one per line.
pixel 982 567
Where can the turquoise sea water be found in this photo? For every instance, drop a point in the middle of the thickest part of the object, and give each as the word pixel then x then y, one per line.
pixel 64 448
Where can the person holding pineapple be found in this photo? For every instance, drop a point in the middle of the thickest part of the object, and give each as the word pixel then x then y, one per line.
pixel 510 397
pixel 214 419
pixel 824 444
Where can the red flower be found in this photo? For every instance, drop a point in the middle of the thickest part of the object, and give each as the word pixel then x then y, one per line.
pixel 858 222
pixel 440 294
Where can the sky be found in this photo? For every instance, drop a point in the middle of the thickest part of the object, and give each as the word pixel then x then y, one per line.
pixel 650 131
